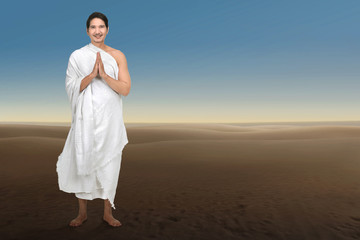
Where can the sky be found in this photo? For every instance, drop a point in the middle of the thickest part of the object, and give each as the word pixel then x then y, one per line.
pixel 224 61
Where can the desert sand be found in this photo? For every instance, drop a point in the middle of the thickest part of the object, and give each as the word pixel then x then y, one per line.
pixel 192 181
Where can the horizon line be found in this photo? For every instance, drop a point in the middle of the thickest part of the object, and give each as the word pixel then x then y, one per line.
pixel 264 122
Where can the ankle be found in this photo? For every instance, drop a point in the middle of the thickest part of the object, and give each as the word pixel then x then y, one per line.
pixel 108 215
pixel 82 214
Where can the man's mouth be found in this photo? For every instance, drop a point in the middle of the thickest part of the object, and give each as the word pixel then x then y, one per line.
pixel 97 36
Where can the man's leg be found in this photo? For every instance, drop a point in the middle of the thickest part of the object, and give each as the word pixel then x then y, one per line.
pixel 108 217
pixel 82 216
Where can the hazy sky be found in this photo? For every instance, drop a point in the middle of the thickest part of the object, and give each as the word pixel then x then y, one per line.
pixel 191 61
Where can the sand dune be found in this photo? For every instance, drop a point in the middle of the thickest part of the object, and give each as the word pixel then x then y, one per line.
pixel 193 181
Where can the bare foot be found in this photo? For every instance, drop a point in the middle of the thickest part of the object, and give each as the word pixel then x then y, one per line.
pixel 78 221
pixel 112 221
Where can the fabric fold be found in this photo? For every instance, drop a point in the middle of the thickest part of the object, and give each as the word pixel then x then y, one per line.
pixel 83 117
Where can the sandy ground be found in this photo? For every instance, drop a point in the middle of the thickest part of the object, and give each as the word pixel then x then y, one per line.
pixel 192 181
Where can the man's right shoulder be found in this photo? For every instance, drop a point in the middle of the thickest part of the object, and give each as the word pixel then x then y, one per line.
pixel 74 53
pixel 77 51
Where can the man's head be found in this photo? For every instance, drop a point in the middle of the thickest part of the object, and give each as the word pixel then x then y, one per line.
pixel 97 27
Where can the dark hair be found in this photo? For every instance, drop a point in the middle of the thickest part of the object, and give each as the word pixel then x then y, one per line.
pixel 97 15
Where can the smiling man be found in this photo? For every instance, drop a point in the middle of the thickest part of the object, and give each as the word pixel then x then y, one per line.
pixel 97 77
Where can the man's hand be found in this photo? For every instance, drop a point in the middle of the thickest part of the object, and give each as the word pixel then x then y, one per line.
pixel 95 71
pixel 102 72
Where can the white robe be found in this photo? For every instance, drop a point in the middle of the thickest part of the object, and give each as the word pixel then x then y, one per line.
pixel 89 164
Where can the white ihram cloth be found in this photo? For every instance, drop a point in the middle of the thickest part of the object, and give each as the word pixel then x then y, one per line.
pixel 89 164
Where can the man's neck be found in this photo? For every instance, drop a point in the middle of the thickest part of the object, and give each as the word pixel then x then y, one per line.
pixel 99 45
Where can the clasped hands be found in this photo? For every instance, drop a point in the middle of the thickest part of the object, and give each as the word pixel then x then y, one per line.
pixel 98 67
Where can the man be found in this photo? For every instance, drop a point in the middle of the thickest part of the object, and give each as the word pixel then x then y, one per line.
pixel 96 78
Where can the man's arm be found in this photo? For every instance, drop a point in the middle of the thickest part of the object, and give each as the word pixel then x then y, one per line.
pixel 123 84
pixel 86 81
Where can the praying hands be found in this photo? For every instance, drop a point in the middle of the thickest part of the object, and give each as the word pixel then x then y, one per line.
pixel 98 70
pixel 99 67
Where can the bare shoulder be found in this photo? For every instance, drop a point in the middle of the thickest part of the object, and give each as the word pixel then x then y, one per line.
pixel 117 54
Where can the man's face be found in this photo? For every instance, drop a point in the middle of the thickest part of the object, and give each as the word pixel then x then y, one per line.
pixel 97 30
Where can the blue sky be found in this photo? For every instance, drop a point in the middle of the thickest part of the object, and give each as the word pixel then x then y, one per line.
pixel 191 61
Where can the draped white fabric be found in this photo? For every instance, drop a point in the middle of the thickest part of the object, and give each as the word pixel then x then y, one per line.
pixel 90 162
